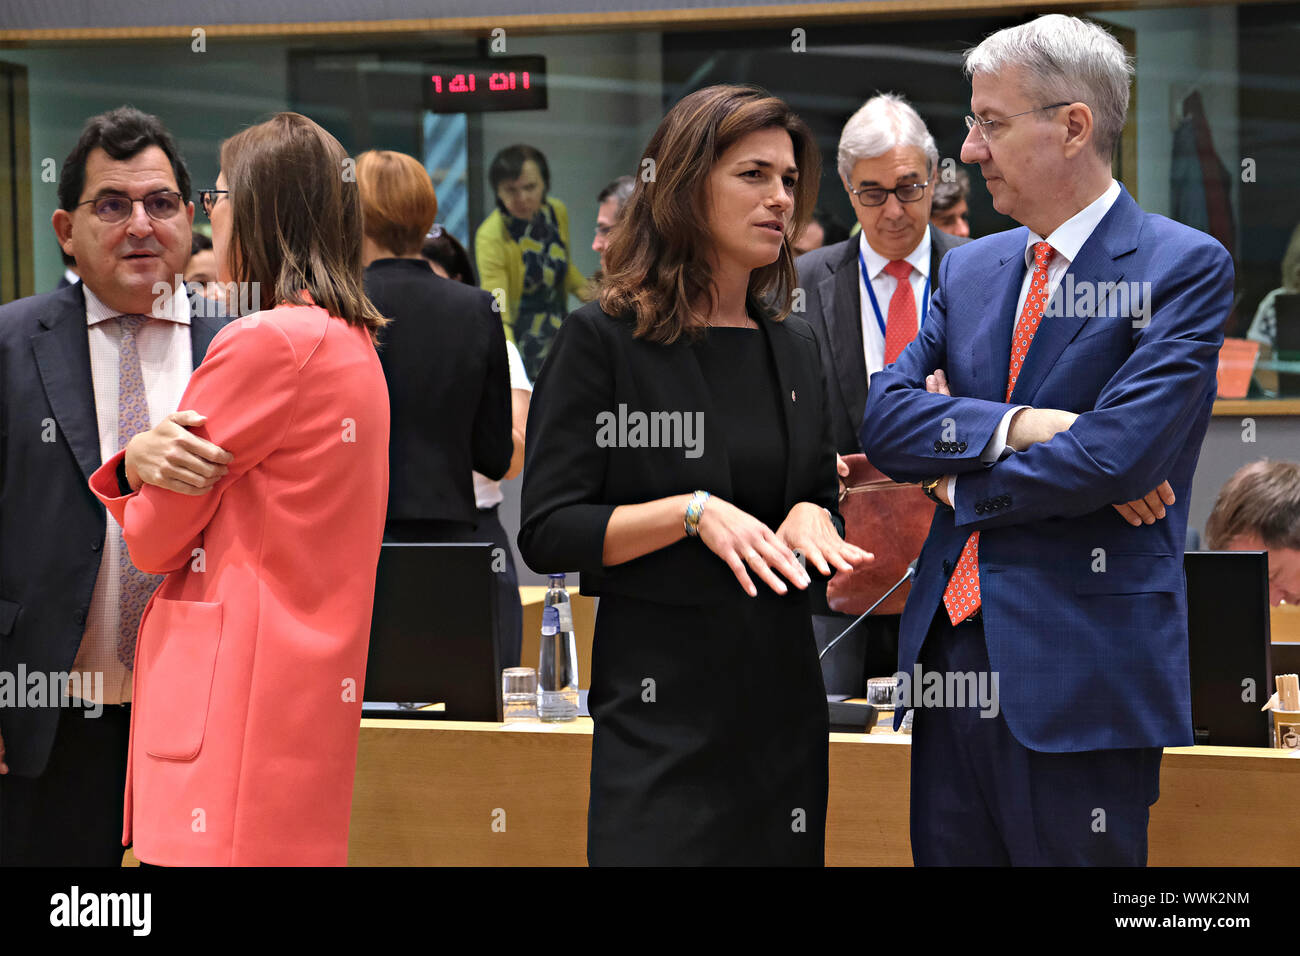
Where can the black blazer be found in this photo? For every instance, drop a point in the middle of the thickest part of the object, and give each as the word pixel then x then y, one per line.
pixel 572 484
pixel 51 526
pixel 829 279
pixel 444 356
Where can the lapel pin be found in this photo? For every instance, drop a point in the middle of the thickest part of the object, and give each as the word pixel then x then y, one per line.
pixel 792 396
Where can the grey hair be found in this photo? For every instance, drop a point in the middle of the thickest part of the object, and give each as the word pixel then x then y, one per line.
pixel 619 190
pixel 880 124
pixel 1064 58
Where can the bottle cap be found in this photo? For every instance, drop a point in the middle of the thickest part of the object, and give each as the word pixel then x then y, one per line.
pixel 551 620
pixel 556 577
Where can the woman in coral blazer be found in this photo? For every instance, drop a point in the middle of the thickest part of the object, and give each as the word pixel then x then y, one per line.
pixel 251 655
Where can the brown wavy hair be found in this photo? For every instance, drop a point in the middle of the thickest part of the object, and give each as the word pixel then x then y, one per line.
pixel 296 218
pixel 655 263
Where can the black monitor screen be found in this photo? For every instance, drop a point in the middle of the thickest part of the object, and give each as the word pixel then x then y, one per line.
pixel 1228 630
pixel 431 636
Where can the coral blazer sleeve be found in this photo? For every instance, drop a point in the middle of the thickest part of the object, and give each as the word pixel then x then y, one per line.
pixel 247 387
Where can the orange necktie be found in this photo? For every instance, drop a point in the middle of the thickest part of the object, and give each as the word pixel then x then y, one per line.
pixel 900 325
pixel 961 597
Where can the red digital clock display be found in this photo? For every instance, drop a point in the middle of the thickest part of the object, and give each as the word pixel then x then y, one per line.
pixel 501 83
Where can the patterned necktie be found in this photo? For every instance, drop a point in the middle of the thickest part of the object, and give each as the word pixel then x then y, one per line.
pixel 132 418
pixel 900 327
pixel 961 597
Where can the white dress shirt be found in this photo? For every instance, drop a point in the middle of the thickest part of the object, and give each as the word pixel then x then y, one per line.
pixel 883 285
pixel 166 361
pixel 487 493
pixel 1066 241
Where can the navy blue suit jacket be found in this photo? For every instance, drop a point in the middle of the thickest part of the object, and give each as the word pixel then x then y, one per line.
pixel 1086 658
pixel 51 526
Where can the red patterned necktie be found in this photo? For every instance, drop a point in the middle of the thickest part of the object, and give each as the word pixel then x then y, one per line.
pixel 900 326
pixel 961 598
pixel 132 418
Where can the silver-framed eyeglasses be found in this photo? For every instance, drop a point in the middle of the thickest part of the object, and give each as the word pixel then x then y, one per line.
pixel 116 207
pixel 988 127
pixel 879 195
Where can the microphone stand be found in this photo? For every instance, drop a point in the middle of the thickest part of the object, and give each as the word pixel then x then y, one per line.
pixel 907 576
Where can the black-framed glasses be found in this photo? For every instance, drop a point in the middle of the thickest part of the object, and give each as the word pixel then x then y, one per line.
pixel 988 127
pixel 115 207
pixel 208 198
pixel 879 195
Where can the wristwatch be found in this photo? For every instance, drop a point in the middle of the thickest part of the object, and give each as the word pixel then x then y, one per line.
pixel 928 487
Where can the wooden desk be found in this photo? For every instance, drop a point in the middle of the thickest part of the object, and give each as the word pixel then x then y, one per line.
pixel 1284 624
pixel 468 794
pixel 1245 408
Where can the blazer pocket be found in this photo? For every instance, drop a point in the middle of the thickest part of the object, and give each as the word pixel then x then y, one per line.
pixel 1128 573
pixel 180 647
pixel 8 614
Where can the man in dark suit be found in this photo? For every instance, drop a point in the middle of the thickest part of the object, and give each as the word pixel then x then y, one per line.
pixel 888 164
pixel 866 298
pixel 81 369
pixel 1068 367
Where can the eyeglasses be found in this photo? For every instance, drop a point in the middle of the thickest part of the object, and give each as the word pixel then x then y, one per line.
pixel 114 208
pixel 988 127
pixel 208 197
pixel 878 195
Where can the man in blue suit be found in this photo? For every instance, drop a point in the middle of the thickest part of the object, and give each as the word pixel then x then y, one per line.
pixel 1054 405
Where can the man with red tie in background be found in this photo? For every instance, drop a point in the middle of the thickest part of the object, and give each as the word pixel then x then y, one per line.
pixel 865 299
pixel 1054 405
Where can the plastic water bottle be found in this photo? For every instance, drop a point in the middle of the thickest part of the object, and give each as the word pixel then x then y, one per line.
pixel 557 665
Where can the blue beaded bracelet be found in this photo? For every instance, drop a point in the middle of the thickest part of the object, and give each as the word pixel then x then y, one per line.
pixel 694 508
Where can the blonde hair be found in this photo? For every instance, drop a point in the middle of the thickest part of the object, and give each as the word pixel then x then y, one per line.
pixel 398 201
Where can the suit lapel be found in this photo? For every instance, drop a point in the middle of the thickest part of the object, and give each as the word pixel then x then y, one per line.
pixel 936 253
pixel 202 332
pixel 995 296
pixel 679 364
pixel 843 318
pixel 1095 264
pixel 62 354
pixel 781 350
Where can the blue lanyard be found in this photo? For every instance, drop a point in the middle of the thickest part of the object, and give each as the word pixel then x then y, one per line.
pixel 875 306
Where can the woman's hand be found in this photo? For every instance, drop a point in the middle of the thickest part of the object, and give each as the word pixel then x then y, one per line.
pixel 809 530
pixel 169 456
pixel 742 541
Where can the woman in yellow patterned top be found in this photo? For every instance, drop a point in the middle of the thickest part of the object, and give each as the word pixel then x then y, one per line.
pixel 523 257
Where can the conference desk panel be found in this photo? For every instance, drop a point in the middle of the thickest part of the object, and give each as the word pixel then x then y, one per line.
pixel 445 793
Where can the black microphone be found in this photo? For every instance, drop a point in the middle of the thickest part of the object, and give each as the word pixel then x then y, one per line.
pixel 907 575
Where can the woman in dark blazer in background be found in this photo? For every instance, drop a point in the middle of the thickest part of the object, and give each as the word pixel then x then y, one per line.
pixel 444 356
pixel 710 743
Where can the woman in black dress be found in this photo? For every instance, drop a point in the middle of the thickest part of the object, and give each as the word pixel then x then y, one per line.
pixel 677 422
